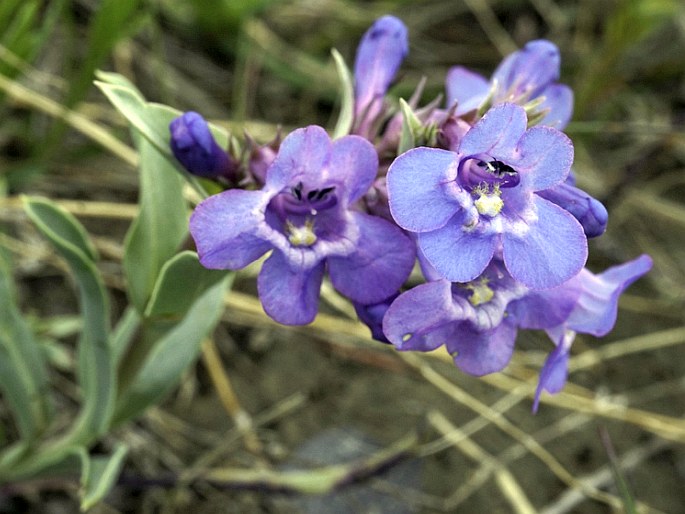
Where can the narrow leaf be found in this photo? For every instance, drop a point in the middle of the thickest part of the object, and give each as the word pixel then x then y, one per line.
pixel 23 373
pixel 99 474
pixel 95 370
pixel 160 227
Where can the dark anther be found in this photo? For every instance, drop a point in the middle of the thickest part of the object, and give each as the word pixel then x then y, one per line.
pixel 297 191
pixel 323 192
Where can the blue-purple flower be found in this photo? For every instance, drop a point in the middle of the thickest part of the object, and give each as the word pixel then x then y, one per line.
pixel 594 313
pixel 379 55
pixel 194 146
pixel 477 321
pixel 480 202
pixel 527 74
pixel 304 214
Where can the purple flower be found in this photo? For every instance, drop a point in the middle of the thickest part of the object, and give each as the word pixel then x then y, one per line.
pixel 476 321
pixel 379 55
pixel 194 146
pixel 594 313
pixel 525 75
pixel 304 215
pixel 480 202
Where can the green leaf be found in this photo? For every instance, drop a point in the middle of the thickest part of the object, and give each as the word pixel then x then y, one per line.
pixel 23 373
pixel 124 332
pixel 95 369
pixel 182 281
pixel 159 229
pixel 178 324
pixel 99 474
pixel 346 116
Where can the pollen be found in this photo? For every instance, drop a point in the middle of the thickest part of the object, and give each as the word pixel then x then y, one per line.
pixel 301 236
pixel 489 202
pixel 480 293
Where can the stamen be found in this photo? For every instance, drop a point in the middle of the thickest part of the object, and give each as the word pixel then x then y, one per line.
pixel 301 236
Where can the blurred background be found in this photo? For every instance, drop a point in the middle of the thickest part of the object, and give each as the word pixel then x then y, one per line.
pixel 276 398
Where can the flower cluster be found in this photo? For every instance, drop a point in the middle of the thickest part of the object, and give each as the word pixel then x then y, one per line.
pixel 478 191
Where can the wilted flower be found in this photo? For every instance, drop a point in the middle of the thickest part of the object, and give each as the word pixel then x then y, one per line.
pixel 480 202
pixel 303 213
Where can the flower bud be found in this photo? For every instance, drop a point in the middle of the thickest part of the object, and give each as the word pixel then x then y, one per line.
pixel 193 144
pixel 589 211
pixel 379 55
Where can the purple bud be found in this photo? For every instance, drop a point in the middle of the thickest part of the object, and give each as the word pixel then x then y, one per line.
pixel 590 212
pixel 261 157
pixel 196 149
pixel 379 55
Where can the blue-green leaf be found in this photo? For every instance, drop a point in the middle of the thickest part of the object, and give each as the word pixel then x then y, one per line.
pixel 159 229
pixel 95 369
pixel 99 474
pixel 23 373
pixel 187 304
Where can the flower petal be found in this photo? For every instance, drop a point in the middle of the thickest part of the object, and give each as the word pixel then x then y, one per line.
pixel 381 263
pixel 530 69
pixel 547 155
pixel 479 353
pixel 419 184
pixel 546 308
pixel 422 318
pixel 467 88
pixel 551 251
pixel 289 296
pixel 353 163
pixel 496 133
pixel 559 101
pixel 597 307
pixel 302 156
pixel 457 254
pixel 224 227
pixel 553 374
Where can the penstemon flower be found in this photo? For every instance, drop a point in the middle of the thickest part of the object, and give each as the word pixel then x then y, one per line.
pixel 524 76
pixel 480 202
pixel 304 214
pixel 477 321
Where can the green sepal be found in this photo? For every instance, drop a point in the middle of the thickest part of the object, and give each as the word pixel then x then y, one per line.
pixel 346 115
pixel 411 128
